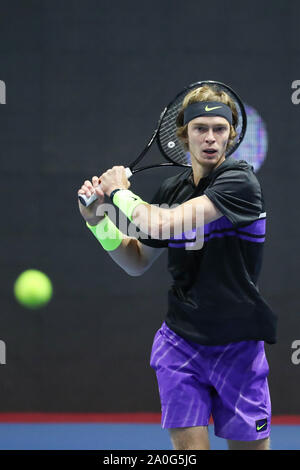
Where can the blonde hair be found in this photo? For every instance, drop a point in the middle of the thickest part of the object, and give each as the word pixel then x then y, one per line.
pixel 206 93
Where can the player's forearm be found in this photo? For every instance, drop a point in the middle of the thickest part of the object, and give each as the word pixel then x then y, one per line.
pixel 165 223
pixel 159 223
pixel 154 221
pixel 125 251
pixel 129 257
pixel 148 218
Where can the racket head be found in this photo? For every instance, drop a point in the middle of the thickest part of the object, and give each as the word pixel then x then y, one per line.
pixel 171 146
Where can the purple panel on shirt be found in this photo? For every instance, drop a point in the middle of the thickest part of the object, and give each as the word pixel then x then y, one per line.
pixel 220 228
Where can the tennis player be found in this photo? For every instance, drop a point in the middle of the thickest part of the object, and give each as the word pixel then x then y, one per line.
pixel 209 354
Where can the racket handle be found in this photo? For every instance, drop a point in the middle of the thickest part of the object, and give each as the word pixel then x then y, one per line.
pixel 87 201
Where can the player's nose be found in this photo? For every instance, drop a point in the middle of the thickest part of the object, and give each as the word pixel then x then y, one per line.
pixel 210 137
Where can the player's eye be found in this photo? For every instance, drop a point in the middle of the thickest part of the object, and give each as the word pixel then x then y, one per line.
pixel 220 129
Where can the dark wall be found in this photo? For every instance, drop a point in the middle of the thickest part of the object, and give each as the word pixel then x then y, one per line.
pixel 85 83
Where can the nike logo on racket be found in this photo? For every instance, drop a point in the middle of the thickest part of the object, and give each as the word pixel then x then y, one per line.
pixel 210 109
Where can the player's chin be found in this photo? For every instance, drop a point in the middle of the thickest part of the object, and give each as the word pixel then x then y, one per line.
pixel 209 159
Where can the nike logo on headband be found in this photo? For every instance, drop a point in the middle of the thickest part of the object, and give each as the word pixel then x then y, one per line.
pixel 210 109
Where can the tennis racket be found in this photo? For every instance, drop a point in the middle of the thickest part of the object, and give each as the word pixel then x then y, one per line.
pixel 169 144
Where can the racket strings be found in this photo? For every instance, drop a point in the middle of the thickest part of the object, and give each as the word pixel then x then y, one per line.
pixel 172 146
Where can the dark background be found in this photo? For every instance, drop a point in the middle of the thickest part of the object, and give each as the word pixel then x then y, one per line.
pixel 86 81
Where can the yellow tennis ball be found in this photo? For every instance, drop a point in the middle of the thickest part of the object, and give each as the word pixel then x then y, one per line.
pixel 33 289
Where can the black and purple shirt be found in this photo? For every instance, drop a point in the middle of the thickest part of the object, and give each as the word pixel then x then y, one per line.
pixel 214 298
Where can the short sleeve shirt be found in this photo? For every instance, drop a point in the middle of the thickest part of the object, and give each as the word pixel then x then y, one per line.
pixel 214 297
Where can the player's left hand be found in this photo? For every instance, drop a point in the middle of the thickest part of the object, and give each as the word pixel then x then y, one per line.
pixel 112 179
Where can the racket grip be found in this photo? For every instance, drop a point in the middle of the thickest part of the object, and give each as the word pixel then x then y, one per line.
pixel 87 201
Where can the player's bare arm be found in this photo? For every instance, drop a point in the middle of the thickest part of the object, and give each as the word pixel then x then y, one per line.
pixel 192 214
pixel 134 257
pixel 131 255
pixel 155 221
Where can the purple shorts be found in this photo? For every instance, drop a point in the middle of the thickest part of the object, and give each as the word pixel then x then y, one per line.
pixel 227 382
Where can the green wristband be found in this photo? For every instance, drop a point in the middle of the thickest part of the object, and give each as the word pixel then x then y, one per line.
pixel 107 234
pixel 126 201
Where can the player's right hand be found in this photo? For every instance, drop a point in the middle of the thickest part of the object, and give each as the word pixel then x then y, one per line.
pixel 90 213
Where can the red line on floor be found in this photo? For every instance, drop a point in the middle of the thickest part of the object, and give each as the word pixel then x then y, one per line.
pixel 134 418
pixel 80 417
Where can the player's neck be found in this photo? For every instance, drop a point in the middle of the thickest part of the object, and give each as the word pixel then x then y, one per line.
pixel 201 171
